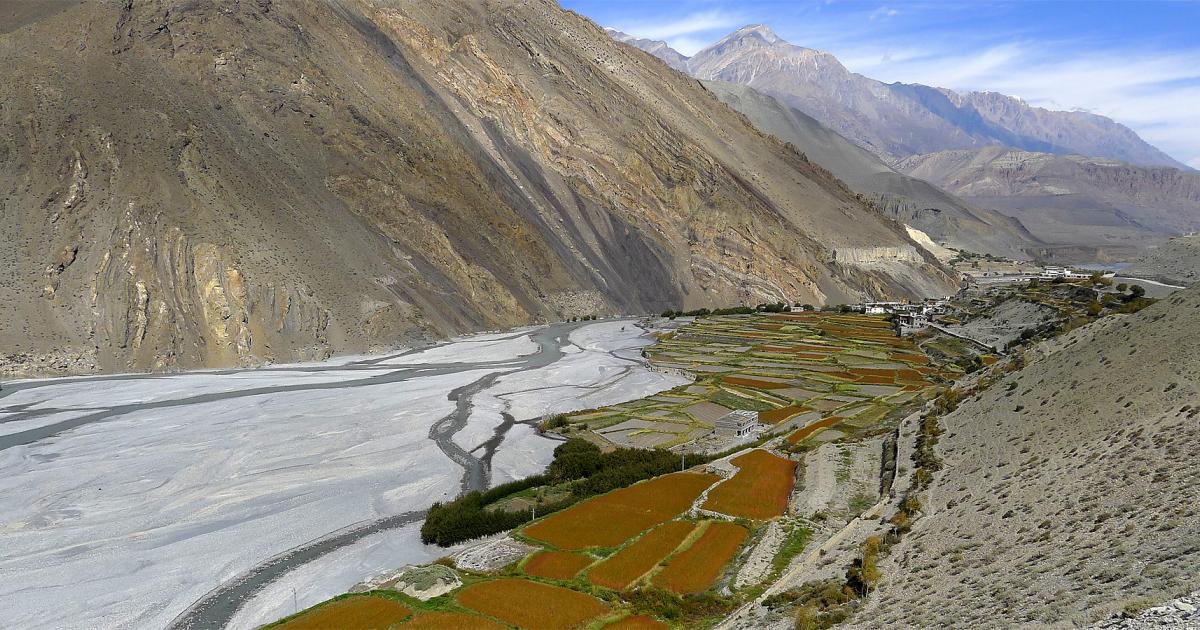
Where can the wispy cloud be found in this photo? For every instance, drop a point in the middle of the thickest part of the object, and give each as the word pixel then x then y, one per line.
pixel 1155 93
pixel 687 34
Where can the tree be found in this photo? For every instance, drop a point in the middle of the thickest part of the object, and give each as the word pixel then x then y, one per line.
pixel 1122 287
pixel 1094 308
pixel 1137 291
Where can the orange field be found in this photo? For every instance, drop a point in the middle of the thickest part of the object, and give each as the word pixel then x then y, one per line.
pixel 637 622
pixel 630 563
pixel 531 604
pixel 800 434
pixel 775 416
pixel 556 565
pixel 759 490
pixel 613 518
pixel 358 612
pixel 694 570
pixel 449 621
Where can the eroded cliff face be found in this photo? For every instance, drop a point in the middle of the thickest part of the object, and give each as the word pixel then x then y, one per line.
pixel 189 184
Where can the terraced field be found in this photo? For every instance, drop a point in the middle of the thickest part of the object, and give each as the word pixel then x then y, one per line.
pixel 633 557
pixel 529 604
pixel 611 519
pixel 796 370
pixel 358 612
pixel 759 490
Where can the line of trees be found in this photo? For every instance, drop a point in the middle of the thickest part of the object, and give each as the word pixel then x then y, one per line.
pixel 778 307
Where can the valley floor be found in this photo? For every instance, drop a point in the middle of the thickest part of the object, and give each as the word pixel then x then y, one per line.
pixel 232 497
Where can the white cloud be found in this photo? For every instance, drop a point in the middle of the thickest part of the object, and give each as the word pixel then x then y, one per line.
pixel 676 29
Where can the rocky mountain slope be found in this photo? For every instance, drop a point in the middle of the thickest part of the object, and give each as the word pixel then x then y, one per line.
pixel 1177 261
pixel 660 49
pixel 1070 488
pixel 1074 201
pixel 914 202
pixel 193 184
pixel 898 120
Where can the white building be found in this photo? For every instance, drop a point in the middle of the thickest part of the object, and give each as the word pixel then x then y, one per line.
pixel 738 423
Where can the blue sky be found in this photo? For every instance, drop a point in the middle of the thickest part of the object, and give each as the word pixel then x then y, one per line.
pixel 1136 62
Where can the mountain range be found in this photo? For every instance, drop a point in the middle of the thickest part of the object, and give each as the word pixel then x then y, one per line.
pixel 1116 207
pixel 897 120
pixel 193 184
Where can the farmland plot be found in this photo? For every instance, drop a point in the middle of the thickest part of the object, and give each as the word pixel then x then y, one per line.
pixel 624 513
pixel 759 490
pixel 531 604
pixel 695 569
pixel 556 565
pixel 622 569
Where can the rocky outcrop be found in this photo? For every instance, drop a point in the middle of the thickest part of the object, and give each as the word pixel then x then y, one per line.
pixel 209 184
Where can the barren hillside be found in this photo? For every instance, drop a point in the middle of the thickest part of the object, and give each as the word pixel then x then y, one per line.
pixel 1070 488
pixel 1070 200
pixel 915 202
pixel 1177 261
pixel 189 184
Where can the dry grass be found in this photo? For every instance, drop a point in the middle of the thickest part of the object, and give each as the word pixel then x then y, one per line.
pixel 611 519
pixel 695 569
pixel 449 621
pixel 759 490
pixel 626 566
pixel 556 565
pixel 359 612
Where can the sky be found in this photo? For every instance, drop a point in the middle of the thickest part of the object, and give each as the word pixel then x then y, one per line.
pixel 1135 62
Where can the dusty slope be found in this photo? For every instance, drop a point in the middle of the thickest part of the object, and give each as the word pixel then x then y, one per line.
pixel 897 120
pixel 1177 262
pixel 212 184
pixel 912 201
pixel 1069 199
pixel 1069 488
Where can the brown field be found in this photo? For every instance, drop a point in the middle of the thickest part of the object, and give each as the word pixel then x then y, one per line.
pixel 358 612
pixel 753 383
pixel 802 433
pixel 624 513
pixel 775 416
pixel 759 490
pixel 694 570
pixel 637 622
pixel 556 565
pixel 531 604
pixel 449 621
pixel 620 570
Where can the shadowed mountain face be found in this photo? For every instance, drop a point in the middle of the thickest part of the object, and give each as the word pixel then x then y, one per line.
pixel 898 120
pixel 1090 208
pixel 914 202
pixel 193 184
